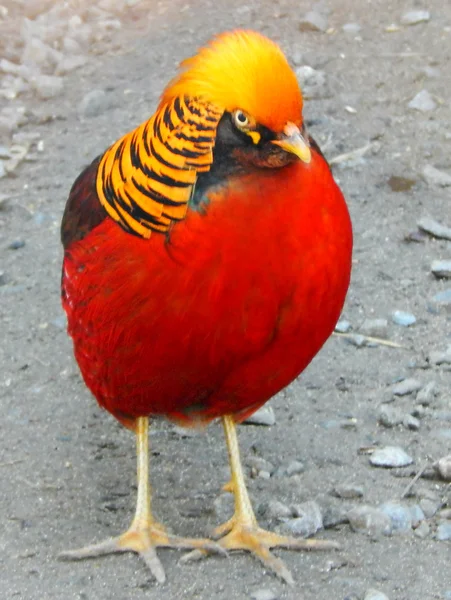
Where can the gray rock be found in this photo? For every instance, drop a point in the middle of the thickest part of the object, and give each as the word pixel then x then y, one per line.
pixel 411 422
pixel 443 467
pixel 308 520
pixel 94 103
pixel 400 516
pixel 390 416
pixel 443 533
pixel 313 83
pixel 403 318
pixel 434 228
pixel 348 490
pixel 369 520
pixel 334 514
pixel 352 28
pixel 343 326
pixel 443 298
pixel 47 86
pixel 441 268
pixel 427 393
pixel 263 594
pixel 375 327
pixel 417 515
pixel 438 358
pixel 263 416
pixel 423 530
pixel 273 509
pixel 423 102
pixel 435 177
pixel 447 595
pixel 295 467
pixel 390 456
pixel 259 464
pixel 313 21
pixel 356 339
pixel 372 594
pixel 407 386
pixel 429 507
pixel 413 17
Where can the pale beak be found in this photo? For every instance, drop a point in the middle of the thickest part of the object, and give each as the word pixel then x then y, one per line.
pixel 292 141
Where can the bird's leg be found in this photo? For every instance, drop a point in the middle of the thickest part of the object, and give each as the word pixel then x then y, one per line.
pixel 242 532
pixel 144 534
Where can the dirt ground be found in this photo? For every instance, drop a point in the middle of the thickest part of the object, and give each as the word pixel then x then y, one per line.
pixel 68 469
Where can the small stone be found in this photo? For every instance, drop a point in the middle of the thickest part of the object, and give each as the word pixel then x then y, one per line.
pixel 47 86
pixel 69 63
pixel 372 594
pixel 259 464
pixel 308 520
pixel 313 21
pixel 403 318
pixel 400 516
pixel 295 467
pixel 434 228
pixel 94 103
pixel 423 530
pixel 417 515
pixel 443 298
pixel 406 387
pixel 343 326
pixel 411 422
pixel 356 339
pixel 348 490
pixel 390 456
pixel 375 328
pixel 429 507
pixel 401 184
pixel 16 244
pixel 334 514
pixel 441 268
pixel 413 17
pixel 434 177
pixel 273 509
pixel 439 358
pixel 352 28
pixel 443 467
pixel 369 520
pixel 443 533
pixel 313 83
pixel 263 416
pixel 423 102
pixel 390 416
pixel 264 594
pixel 427 393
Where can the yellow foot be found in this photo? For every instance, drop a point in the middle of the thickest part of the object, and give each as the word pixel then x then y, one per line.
pixel 251 537
pixel 143 540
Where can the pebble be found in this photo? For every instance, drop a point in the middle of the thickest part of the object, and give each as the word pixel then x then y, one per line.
pixel 375 327
pixel 343 326
pixel 348 490
pixel 429 507
pixel 351 28
pixel 423 102
pixel 259 464
pixel 443 298
pixel 443 533
pixel 400 516
pixel 370 520
pixel 413 17
pixel 406 387
pixel 435 177
pixel 356 339
pixel 264 594
pixel 401 184
pixel 441 268
pixel 94 103
pixel 313 21
pixel 273 509
pixel 372 594
pixel 423 530
pixel 295 467
pixel 334 514
pixel 47 86
pixel 438 358
pixel 427 393
pixel 417 515
pixel 308 520
pixel 390 456
pixel 390 416
pixel 313 83
pixel 443 467
pixel 16 244
pixel 434 228
pixel 403 318
pixel 411 422
pixel 263 416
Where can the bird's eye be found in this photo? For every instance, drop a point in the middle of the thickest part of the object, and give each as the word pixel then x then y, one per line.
pixel 241 119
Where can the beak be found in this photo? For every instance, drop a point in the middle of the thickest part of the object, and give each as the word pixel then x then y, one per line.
pixel 292 141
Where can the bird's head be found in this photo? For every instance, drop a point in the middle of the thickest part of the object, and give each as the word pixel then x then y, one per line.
pixel 247 78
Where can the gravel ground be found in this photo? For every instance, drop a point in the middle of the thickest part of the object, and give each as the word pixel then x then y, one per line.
pixel 358 449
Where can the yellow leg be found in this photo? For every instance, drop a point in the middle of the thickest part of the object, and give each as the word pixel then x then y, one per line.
pixel 242 531
pixel 144 534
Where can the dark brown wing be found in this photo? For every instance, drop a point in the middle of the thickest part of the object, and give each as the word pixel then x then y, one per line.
pixel 83 209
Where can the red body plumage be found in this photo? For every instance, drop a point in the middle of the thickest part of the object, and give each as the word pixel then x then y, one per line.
pixel 222 314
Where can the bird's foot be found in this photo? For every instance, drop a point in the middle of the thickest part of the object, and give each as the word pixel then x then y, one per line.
pixel 239 535
pixel 144 539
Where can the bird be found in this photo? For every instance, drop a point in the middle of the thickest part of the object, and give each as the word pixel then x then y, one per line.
pixel 207 257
